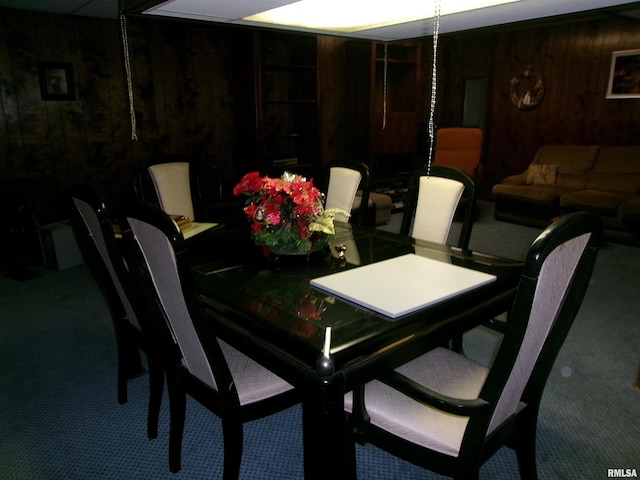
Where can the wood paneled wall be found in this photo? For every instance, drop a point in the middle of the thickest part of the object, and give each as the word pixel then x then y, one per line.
pixel 62 142
pixel 184 86
pixel 573 59
pixel 184 94
pixel 191 97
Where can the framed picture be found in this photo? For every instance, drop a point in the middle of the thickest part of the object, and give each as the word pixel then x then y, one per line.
pixel 56 81
pixel 624 77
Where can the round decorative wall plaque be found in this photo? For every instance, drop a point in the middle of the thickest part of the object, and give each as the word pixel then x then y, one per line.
pixel 527 90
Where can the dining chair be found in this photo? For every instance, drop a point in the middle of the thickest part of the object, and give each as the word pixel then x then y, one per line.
pixel 197 363
pixel 94 233
pixel 432 202
pixel 181 185
pixel 449 414
pixel 459 147
pixel 342 179
pixel 168 181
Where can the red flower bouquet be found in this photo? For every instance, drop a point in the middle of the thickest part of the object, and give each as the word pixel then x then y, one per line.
pixel 287 214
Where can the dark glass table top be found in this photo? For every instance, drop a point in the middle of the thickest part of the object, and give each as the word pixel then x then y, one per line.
pixel 272 301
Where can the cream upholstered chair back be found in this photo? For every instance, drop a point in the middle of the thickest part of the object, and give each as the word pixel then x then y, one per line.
pixel 161 264
pixel 551 290
pixel 437 203
pixel 343 186
pixel 433 199
pixel 173 187
pixel 341 180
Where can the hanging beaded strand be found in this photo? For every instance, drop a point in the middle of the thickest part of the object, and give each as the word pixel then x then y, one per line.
pixel 127 67
pixel 434 78
pixel 384 86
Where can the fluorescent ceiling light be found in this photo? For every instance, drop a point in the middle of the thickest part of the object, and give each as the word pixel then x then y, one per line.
pixel 349 16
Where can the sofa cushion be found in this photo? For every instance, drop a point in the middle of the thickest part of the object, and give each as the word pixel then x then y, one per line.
pixel 617 169
pixel 618 159
pixel 597 201
pixel 612 182
pixel 542 174
pixel 537 193
pixel 573 161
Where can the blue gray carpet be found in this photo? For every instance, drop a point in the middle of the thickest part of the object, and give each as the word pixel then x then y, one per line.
pixel 59 418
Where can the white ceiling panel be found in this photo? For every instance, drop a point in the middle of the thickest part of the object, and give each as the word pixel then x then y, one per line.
pixel 89 8
pixel 232 11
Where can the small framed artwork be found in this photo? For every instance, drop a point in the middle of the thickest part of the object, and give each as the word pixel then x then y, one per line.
pixel 56 81
pixel 624 77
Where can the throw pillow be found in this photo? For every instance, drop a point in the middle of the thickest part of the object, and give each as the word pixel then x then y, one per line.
pixel 542 174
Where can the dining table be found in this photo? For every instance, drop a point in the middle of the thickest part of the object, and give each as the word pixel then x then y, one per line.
pixel 326 344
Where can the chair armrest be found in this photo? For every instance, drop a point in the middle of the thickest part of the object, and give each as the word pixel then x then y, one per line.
pixel 426 396
pixel 497 325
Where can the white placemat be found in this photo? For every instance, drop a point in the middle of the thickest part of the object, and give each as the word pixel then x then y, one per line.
pixel 401 285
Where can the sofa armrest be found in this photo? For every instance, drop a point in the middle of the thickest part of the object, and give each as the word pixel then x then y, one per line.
pixel 629 214
pixel 519 179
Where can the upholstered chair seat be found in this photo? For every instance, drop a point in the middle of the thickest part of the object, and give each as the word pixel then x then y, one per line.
pixel 440 370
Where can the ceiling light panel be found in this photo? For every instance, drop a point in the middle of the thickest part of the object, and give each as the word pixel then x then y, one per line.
pixel 237 12
pixel 348 16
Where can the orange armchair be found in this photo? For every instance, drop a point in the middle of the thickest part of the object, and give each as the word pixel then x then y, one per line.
pixel 459 148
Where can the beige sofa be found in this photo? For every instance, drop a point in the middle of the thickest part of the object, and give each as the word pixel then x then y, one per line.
pixel 567 178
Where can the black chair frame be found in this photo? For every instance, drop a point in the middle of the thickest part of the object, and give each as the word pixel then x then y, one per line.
pixel 224 401
pixel 518 431
pixel 129 339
